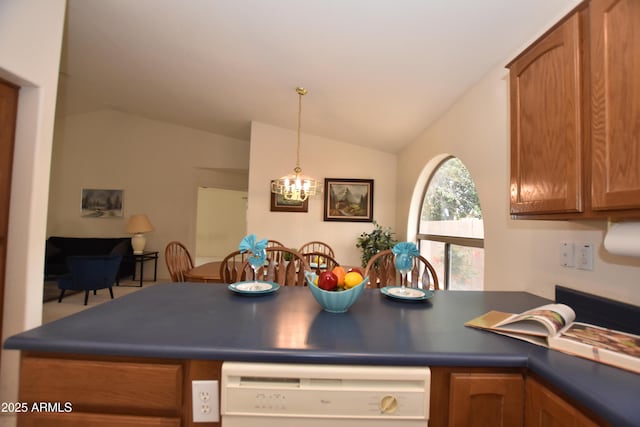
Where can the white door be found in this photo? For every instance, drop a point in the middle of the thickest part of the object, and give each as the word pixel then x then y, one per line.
pixel 221 223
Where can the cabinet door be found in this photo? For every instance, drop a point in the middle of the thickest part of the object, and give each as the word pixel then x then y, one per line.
pixel 486 400
pixel 544 408
pixel 75 419
pixel 546 123
pixel 615 68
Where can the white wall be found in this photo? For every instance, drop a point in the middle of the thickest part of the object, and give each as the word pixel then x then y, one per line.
pixel 273 154
pixel 519 254
pixel 158 165
pixel 30 44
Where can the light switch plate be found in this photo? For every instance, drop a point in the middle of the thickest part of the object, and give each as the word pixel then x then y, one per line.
pixel 584 256
pixel 566 254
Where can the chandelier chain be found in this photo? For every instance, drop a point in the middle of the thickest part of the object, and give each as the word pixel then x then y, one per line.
pixel 296 187
pixel 300 93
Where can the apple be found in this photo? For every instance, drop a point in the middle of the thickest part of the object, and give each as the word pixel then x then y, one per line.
pixel 327 281
pixel 357 270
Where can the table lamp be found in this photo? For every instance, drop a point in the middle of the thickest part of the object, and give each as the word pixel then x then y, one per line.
pixel 138 225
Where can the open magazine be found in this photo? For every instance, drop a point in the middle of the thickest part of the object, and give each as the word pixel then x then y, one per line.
pixel 553 326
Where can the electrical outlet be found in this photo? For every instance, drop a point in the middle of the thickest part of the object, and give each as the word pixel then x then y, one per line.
pixel 205 401
pixel 566 254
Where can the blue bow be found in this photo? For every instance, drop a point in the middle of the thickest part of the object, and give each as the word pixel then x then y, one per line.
pixel 251 244
pixel 404 252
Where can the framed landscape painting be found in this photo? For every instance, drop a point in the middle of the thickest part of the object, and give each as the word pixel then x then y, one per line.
pixel 98 203
pixel 279 204
pixel 348 199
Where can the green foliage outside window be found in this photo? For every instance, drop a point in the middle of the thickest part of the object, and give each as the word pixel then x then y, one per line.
pixel 451 194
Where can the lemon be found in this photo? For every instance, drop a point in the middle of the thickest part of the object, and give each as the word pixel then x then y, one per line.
pixel 351 279
pixel 315 281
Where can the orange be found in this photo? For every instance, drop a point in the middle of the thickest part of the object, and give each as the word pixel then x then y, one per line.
pixel 351 279
pixel 340 273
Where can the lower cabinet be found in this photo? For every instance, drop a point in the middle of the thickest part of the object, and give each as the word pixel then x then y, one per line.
pixel 544 408
pixel 67 390
pixel 470 397
pixel 500 397
pixel 486 399
pixel 76 390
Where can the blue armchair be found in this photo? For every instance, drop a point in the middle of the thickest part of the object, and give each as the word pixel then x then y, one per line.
pixel 90 273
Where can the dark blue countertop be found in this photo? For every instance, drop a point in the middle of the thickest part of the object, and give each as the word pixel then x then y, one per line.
pixel 207 321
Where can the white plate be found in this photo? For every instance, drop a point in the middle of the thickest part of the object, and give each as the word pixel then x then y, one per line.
pixel 253 288
pixel 411 294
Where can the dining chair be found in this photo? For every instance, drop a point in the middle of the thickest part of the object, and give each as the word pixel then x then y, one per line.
pixel 178 260
pixel 317 246
pixel 320 261
pixel 273 243
pixel 283 266
pixel 381 271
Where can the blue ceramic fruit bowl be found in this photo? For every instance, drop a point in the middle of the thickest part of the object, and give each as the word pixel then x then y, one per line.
pixel 335 301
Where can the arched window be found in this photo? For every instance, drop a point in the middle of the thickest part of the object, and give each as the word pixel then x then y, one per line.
pixel 450 230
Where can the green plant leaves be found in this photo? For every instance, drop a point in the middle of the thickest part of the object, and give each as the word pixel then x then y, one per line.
pixel 379 239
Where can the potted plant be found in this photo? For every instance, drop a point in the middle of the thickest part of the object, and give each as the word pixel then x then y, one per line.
pixel 372 243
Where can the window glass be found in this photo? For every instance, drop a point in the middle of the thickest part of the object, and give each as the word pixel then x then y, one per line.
pixel 450 230
pixel 451 206
pixel 467 265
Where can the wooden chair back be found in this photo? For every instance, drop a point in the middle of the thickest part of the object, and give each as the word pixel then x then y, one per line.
pixel 273 243
pixel 283 266
pixel 381 271
pixel 317 246
pixel 320 261
pixel 178 260
pixel 235 268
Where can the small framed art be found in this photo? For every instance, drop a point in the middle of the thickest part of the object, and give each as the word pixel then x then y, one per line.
pixel 99 203
pixel 280 204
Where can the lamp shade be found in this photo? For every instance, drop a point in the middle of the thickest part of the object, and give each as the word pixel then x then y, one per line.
pixel 139 224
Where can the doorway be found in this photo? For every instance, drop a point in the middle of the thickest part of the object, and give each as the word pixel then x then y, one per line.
pixel 8 113
pixel 221 223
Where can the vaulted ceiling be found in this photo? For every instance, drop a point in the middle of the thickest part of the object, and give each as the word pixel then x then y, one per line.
pixel 378 71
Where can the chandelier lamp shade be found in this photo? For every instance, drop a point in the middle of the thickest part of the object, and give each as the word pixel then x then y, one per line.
pixel 296 186
pixel 138 225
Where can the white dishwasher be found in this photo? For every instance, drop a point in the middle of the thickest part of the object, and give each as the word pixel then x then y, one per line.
pixel 287 395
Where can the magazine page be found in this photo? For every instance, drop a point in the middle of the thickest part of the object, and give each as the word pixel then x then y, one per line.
pixel 600 344
pixel 546 320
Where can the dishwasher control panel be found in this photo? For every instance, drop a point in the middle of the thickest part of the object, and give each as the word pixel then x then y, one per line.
pixel 305 392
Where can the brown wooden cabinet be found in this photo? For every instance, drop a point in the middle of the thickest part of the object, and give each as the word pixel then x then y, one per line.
pixel 615 97
pixel 127 391
pixel 469 397
pixel 110 391
pixel 544 408
pixel 575 117
pixel 547 123
pixel 486 399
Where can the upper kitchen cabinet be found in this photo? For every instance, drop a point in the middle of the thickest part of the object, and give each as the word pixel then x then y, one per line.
pixel 575 117
pixel 615 98
pixel 547 123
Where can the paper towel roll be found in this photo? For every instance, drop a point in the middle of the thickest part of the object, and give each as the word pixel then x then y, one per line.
pixel 623 238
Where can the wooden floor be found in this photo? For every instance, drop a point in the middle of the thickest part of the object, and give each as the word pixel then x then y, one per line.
pixel 53 310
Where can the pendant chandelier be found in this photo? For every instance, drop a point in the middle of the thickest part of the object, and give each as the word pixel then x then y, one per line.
pixel 296 187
